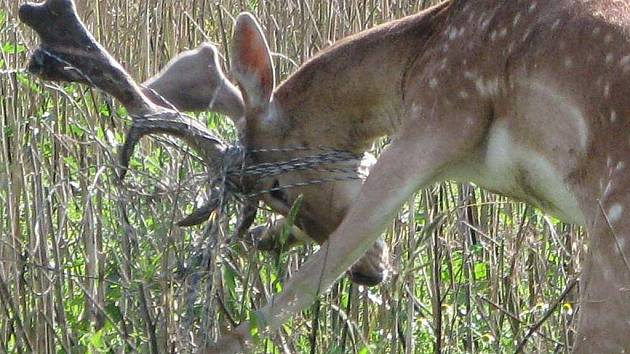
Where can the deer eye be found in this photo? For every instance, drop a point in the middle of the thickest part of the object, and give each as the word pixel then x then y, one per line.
pixel 278 193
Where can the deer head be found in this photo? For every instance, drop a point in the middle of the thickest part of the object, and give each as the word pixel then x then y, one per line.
pixel 194 81
pixel 275 121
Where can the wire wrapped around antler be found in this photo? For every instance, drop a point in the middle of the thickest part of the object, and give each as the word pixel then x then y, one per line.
pixel 68 52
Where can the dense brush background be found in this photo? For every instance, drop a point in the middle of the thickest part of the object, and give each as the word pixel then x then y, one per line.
pixel 473 272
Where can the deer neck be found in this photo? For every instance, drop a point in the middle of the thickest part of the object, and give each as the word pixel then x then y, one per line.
pixel 352 92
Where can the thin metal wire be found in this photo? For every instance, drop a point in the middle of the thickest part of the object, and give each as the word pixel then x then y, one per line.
pixel 234 167
pixel 13 71
pixel 236 152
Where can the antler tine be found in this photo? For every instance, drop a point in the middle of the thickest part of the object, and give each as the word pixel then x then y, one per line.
pixel 191 131
pixel 69 52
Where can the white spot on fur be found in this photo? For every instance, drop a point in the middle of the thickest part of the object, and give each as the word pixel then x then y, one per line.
pixel 608 38
pixel 555 24
pixel 614 213
pixel 469 75
pixel 620 165
pixel 463 94
pixel 433 83
pixel 533 6
pixel 415 108
pixel 607 90
pixel 471 16
pixel 487 88
pixel 601 184
pixel 608 189
pixel 443 64
pixel 452 34
pixel 568 62
pixel 516 19
pixel 599 81
pixel 510 48
pixel 596 31
pixel 613 116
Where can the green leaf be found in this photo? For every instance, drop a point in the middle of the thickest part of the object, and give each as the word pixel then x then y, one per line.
pixel 26 81
pixel 229 277
pixel 3 18
pixel 481 270
pixel 76 130
pixel 97 340
pixel 72 163
pixel 257 324
pixel 288 225
pixel 364 350
pixel 13 48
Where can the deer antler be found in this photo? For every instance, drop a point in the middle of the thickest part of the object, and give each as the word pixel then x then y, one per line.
pixel 69 52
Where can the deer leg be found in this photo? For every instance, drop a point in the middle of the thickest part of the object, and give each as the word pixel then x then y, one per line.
pixel 604 315
pixel 409 163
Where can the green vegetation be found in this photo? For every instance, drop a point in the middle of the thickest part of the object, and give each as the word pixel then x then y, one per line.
pixel 472 271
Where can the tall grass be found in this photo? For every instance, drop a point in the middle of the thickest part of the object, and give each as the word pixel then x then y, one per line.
pixel 88 264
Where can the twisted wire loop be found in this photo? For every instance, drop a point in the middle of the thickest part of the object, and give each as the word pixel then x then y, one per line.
pixel 235 167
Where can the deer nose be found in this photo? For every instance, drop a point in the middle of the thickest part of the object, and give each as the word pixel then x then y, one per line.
pixel 372 279
pixel 373 268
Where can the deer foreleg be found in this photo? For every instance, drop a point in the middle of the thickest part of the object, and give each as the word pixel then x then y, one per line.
pixel 408 164
pixel 604 313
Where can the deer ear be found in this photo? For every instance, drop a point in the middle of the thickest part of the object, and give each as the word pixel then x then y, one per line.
pixel 251 62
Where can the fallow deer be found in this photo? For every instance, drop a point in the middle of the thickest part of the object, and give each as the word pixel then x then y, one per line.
pixel 526 98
